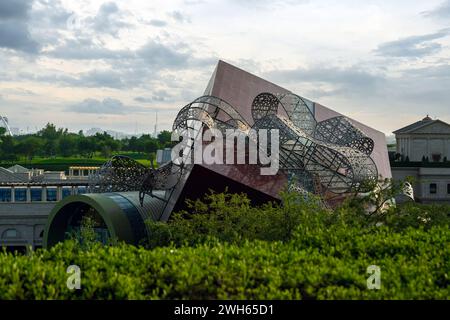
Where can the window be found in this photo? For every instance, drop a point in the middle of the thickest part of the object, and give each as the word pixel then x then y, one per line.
pixel 5 195
pixel 448 188
pixel 433 188
pixel 36 194
pixel 66 191
pixel 82 190
pixel 10 233
pixel 20 194
pixel 51 194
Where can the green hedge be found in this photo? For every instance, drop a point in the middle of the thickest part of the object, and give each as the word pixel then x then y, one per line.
pixel 223 248
pixel 63 164
pixel 415 264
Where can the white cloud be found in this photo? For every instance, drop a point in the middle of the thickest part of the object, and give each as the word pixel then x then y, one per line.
pixel 363 58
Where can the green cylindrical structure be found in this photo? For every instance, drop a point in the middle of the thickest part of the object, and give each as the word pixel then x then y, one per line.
pixel 121 214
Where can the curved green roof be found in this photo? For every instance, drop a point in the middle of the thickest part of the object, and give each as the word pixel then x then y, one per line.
pixel 122 214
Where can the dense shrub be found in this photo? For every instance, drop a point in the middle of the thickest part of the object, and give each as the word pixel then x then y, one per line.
pixel 321 265
pixel 231 218
pixel 223 248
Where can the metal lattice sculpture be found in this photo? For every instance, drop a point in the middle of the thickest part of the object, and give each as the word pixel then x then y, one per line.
pixel 211 111
pixel 333 151
pixel 163 178
pixel 339 168
pixel 318 157
pixel 122 173
pixel 340 131
pixel 298 112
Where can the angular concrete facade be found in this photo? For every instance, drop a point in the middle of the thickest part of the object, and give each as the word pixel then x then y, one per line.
pixel 239 88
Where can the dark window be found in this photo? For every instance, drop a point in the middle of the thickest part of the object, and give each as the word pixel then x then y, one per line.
pixel 448 188
pixel 66 191
pixel 433 188
pixel 36 194
pixel 5 195
pixel 20 194
pixel 82 190
pixel 51 194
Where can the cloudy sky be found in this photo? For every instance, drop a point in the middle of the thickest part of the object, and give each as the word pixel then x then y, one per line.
pixel 113 64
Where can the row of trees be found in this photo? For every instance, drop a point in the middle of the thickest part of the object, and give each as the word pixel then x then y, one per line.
pixel 52 142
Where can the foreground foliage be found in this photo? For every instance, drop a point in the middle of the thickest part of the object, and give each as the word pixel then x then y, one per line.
pixel 224 248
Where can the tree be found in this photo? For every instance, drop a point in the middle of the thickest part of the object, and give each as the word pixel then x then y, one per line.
pixel 68 145
pixel 164 139
pixel 29 147
pixel 49 132
pixel 150 146
pixel 106 151
pixel 50 135
pixel 7 148
pixel 87 147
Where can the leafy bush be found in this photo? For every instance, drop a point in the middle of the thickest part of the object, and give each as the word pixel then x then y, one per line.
pixel 223 248
pixel 319 265
pixel 231 218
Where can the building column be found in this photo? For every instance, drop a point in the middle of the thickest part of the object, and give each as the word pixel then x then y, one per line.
pixel 28 196
pixel 13 194
pixel 44 193
pixel 58 193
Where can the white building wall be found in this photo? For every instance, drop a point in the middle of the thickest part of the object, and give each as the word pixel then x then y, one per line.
pixel 424 177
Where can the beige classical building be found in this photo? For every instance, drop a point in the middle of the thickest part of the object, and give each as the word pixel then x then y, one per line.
pixel 427 140
pixel 26 198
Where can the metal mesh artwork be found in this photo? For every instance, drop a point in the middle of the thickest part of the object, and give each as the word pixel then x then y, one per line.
pixel 340 131
pixel 339 168
pixel 408 190
pixel 298 112
pixel 333 151
pixel 318 157
pixel 122 173
pixel 213 112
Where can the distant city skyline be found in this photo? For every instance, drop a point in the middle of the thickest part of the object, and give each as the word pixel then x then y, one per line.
pixel 113 65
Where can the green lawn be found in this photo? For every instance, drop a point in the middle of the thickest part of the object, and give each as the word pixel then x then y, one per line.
pixel 63 163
